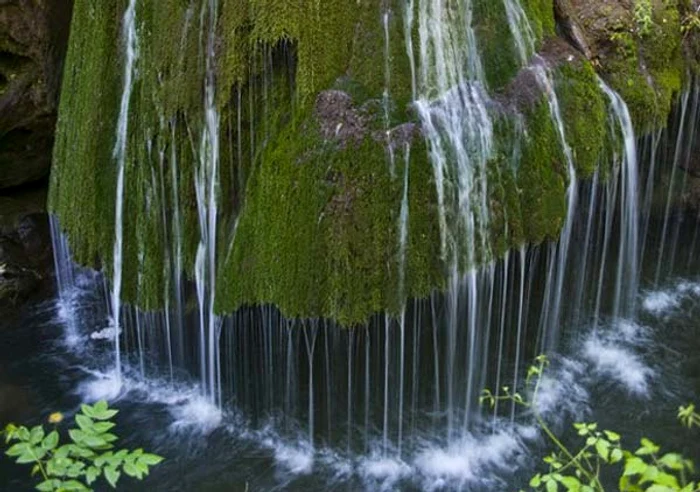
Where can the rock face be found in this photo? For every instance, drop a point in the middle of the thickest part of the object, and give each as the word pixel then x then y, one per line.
pixel 33 39
pixel 25 246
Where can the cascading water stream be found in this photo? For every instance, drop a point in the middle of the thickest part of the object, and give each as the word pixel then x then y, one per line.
pixel 131 54
pixel 207 189
pixel 627 281
pixel 452 104
pixel 551 320
pixel 521 30
pixel 415 378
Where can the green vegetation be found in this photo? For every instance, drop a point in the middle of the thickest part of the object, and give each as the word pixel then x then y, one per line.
pixel 584 113
pixel 581 470
pixel 643 16
pixel 646 65
pixel 88 457
pixel 318 216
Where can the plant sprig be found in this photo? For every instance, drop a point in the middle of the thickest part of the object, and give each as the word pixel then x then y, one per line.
pixel 89 455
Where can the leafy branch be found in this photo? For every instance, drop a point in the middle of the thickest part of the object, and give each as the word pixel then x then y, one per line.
pixel 77 465
pixel 645 469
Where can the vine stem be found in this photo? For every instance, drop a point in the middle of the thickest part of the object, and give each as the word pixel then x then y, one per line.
pixel 40 464
pixel 543 425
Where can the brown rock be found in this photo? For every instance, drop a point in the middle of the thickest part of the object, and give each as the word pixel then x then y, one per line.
pixel 33 39
pixel 25 246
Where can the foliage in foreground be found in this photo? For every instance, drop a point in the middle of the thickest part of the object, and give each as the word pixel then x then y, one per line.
pixel 77 465
pixel 645 470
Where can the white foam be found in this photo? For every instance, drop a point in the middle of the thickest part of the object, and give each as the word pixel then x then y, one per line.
pixel 470 459
pixel 689 288
pixel 103 386
pixel 560 393
pixel 195 413
pixel 381 471
pixel 297 458
pixel 663 301
pixel 105 334
pixel 67 313
pixel 619 363
pixel 660 302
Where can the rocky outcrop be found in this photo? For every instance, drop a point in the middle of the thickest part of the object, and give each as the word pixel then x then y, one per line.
pixel 25 246
pixel 33 39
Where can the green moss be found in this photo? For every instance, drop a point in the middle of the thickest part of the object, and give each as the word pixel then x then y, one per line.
pixel 584 112
pixel 647 68
pixel 318 235
pixel 541 16
pixel 541 178
pixel 496 43
pixel 82 182
pixel 661 52
pixel 317 221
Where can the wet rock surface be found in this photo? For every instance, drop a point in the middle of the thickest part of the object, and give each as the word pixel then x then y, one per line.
pixel 33 39
pixel 25 246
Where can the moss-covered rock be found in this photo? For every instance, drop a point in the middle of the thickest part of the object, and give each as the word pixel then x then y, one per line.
pixel 641 58
pixel 317 131
pixel 318 235
pixel 584 112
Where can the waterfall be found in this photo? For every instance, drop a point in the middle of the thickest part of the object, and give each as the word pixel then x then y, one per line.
pixel 551 320
pixel 686 137
pixel 207 189
pixel 120 148
pixel 404 388
pixel 522 31
pixel 628 254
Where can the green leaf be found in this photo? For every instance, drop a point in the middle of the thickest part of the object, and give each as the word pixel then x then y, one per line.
pixel 572 484
pixel 112 476
pixel 121 454
pixel 100 407
pixel 36 435
pixel 552 486
pixel 141 467
pixel 73 486
pixel 150 459
pixel 635 466
pixel 94 442
pixel 48 485
pixel 102 427
pixel 91 474
pixel 103 459
pixel 50 442
pixel 667 480
pixel 613 436
pixel 674 461
pixel 17 449
pixel 536 481
pixel 131 470
pixel 650 474
pixel 87 410
pixel 77 436
pixel 32 455
pixel 22 433
pixel 104 415
pixel 660 488
pixel 84 422
pixel 616 455
pixel 76 469
pixel 647 448
pixel 63 451
pixel 109 437
pixel 603 448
